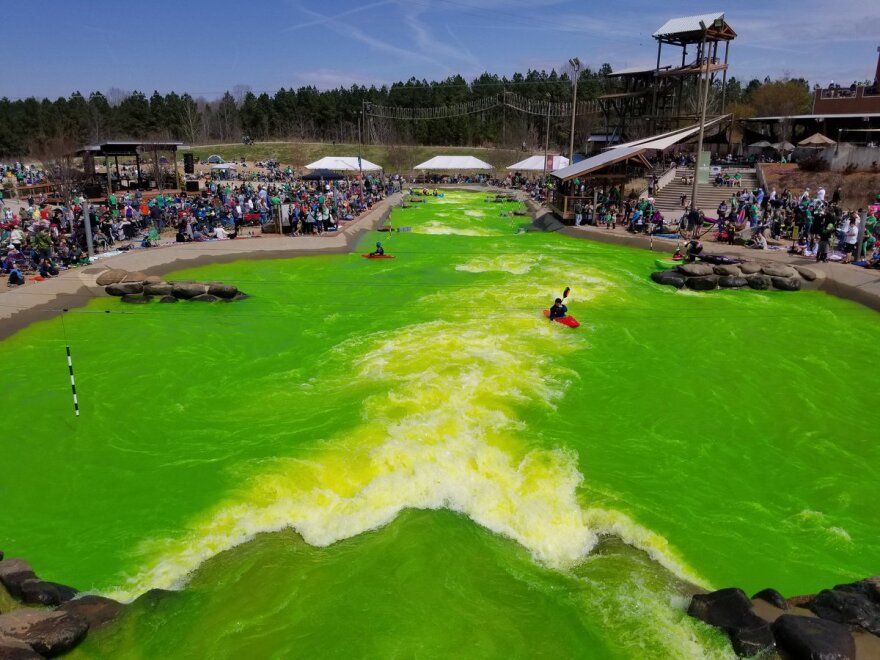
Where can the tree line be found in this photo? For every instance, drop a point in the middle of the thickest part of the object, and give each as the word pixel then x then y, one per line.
pixel 31 126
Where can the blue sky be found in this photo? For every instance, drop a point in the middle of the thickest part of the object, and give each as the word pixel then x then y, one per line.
pixel 206 47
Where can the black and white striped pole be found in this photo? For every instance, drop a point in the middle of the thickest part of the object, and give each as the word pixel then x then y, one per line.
pixel 72 381
pixel 69 364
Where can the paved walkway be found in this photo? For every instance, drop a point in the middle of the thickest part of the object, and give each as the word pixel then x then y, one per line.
pixel 843 280
pixel 75 287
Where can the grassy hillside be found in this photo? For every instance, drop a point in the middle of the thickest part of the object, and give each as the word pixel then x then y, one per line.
pixel 394 158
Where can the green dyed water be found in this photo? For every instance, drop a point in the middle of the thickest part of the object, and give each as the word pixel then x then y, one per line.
pixel 404 458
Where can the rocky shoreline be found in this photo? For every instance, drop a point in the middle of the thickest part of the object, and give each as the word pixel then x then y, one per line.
pixel 841 623
pixel 744 275
pixel 42 619
pixel 136 287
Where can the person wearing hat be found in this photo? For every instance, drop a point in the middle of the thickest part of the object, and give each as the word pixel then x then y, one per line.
pixel 379 251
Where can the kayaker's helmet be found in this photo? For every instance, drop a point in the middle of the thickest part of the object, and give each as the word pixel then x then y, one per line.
pixel 378 244
pixel 559 300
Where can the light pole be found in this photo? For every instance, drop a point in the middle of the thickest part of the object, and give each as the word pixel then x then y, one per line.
pixel 576 68
pixel 705 63
pixel 547 137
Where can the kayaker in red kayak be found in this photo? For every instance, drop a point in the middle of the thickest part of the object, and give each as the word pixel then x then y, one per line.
pixel 379 251
pixel 558 311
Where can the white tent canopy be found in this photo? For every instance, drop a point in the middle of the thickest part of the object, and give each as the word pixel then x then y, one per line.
pixel 537 164
pixel 223 166
pixel 453 163
pixel 343 164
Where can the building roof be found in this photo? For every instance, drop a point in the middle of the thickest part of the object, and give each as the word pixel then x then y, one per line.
pixel 453 163
pixel 827 115
pixel 666 140
pixel 601 161
pixel 687 29
pixel 537 163
pixel 687 24
pixel 343 164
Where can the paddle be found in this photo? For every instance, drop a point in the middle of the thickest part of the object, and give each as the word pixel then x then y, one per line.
pixel 565 293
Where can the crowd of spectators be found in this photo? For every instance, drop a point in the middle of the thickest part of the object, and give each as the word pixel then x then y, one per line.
pixel 38 239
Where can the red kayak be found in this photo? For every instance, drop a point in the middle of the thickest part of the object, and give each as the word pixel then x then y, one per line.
pixel 570 321
pixel 378 256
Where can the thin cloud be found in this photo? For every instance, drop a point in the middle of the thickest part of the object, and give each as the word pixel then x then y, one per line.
pixel 321 20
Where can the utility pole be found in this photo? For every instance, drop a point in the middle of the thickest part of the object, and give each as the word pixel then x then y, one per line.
pixel 576 67
pixel 87 221
pixel 705 63
pixel 547 138
pixel 361 129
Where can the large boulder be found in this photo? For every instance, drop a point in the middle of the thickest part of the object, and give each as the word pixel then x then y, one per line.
pixel 779 270
pixel 759 282
pixel 669 278
pixel 13 649
pixel 135 276
pixel 731 610
pixel 48 633
pixel 167 299
pixel 225 291
pixel 786 283
pixel 135 299
pixel 697 270
pixel 111 276
pixel 125 288
pixel 152 279
pixel 36 592
pixel 94 610
pixel 773 597
pixel 855 604
pixel 205 297
pixel 158 289
pixel 13 572
pixel 707 283
pixel 750 268
pixel 188 290
pixel 727 269
pixel 732 282
pixel 808 274
pixel 813 639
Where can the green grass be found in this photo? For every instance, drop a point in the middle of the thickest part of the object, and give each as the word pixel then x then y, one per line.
pixel 394 158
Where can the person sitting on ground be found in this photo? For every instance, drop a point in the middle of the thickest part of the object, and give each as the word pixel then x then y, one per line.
pixel 15 277
pixel 47 269
pixel 558 311
pixel 220 233
pixel 379 251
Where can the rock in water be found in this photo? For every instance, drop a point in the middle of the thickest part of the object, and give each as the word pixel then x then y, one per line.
pixel 854 604
pixel 125 288
pixel 750 268
pixel 669 277
pixel 111 276
pixel 225 291
pixel 808 274
pixel 167 299
pixel 94 610
pixel 813 639
pixel 773 597
pixel 158 289
pixel 786 283
pixel 732 282
pixel 779 270
pixel 188 290
pixel 13 649
pixel 758 282
pixel 731 610
pixel 697 270
pixel 732 271
pixel 47 633
pixel 707 283
pixel 13 572
pixel 205 297
pixel 37 592
pixel 135 276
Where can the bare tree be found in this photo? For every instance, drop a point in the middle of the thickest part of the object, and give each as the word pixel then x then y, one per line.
pixel 115 96
pixel 239 92
pixel 190 119
pixel 56 156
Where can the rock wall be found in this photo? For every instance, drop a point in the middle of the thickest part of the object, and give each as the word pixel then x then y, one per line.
pixel 702 276
pixel 139 288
